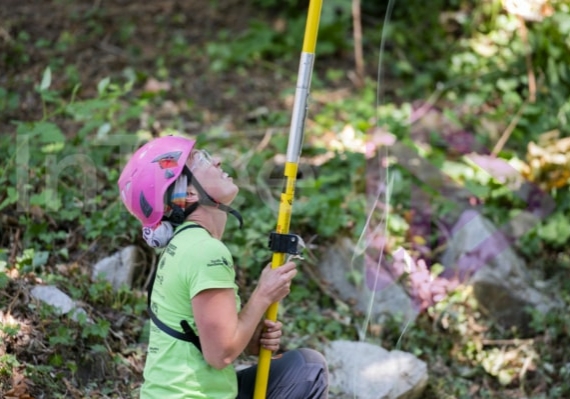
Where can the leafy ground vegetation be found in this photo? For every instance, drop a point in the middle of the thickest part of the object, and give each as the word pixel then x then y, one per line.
pixel 84 82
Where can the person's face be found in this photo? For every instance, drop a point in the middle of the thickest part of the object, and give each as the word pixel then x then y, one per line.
pixel 208 171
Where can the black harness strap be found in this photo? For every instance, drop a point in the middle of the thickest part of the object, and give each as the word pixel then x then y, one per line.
pixel 188 335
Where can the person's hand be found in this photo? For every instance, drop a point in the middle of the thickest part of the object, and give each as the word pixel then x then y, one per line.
pixel 267 335
pixel 271 335
pixel 275 284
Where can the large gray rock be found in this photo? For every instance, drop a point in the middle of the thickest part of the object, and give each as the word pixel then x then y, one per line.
pixel 53 296
pixel 373 298
pixel 479 254
pixel 365 371
pixel 118 268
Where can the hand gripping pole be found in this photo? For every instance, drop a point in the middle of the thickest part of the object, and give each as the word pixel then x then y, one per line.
pixel 296 133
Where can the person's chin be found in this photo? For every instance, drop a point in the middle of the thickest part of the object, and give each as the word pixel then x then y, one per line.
pixel 230 197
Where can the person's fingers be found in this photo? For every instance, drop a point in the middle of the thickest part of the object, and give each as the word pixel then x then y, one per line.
pixel 271 325
pixel 290 274
pixel 288 266
pixel 287 276
pixel 288 269
pixel 270 343
pixel 276 282
pixel 271 348
pixel 271 334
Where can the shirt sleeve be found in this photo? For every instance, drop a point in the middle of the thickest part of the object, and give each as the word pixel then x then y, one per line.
pixel 211 267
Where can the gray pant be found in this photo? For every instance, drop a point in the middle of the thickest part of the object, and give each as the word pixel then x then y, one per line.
pixel 297 374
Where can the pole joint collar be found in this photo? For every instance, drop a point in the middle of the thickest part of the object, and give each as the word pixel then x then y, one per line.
pixel 284 243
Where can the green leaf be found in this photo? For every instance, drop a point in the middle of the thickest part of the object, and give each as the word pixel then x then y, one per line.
pixel 40 259
pixel 10 330
pixel 103 130
pixel 556 231
pixel 98 348
pixel 46 79
pixel 103 84
pixel 88 110
pixel 4 280
pixel 47 132
pixel 56 360
pixel 478 190
pixel 563 21
pixel 11 198
pixel 38 199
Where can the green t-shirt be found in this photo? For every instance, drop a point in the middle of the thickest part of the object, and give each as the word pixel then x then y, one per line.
pixel 192 262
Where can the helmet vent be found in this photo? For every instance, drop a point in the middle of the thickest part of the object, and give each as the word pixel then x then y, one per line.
pixel 146 208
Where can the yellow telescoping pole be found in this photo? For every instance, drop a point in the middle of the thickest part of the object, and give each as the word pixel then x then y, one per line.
pixel 296 133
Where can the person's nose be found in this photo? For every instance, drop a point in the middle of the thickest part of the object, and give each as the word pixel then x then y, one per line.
pixel 217 161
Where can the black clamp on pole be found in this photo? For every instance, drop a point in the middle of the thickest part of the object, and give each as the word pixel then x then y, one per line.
pixel 284 243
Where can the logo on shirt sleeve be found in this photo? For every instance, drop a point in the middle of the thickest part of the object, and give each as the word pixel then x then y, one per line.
pixel 219 262
pixel 171 249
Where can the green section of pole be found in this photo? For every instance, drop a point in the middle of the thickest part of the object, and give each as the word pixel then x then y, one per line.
pixel 296 133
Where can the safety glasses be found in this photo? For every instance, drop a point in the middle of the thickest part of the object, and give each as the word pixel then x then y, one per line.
pixel 200 159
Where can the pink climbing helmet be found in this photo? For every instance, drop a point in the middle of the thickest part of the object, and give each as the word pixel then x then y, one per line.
pixel 149 173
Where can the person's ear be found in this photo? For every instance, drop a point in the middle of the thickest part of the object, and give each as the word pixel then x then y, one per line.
pixel 191 196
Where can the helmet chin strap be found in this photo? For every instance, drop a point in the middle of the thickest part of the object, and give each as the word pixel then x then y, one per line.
pixel 205 199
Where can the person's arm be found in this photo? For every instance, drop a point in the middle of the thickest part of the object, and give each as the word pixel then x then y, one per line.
pixel 252 348
pixel 224 333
